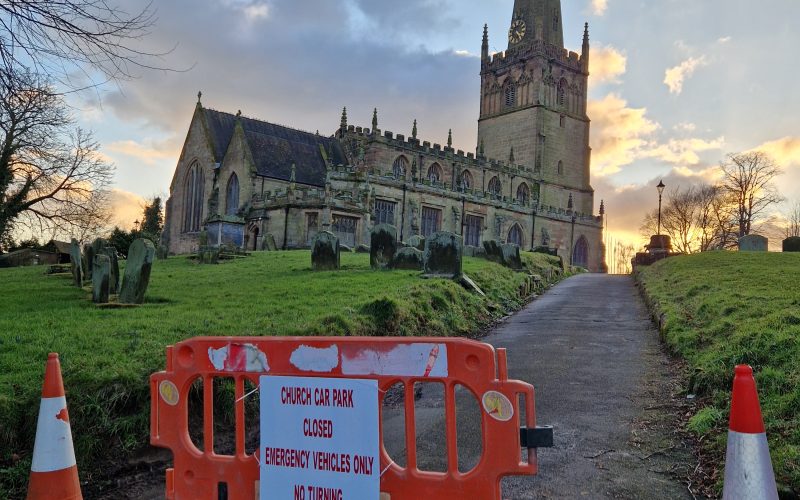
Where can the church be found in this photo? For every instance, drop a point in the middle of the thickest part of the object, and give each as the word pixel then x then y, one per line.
pixel 245 182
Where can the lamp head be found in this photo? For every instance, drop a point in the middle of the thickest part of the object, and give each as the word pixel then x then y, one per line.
pixel 661 187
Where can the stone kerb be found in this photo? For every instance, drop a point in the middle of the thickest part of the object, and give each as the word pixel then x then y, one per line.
pixel 383 246
pixel 76 261
pixel 141 254
pixel 444 255
pixel 753 243
pixel 791 244
pixel 325 252
pixel 101 279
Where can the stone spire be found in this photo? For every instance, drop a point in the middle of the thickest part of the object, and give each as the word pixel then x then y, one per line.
pixel 585 50
pixel 450 138
pixel 414 130
pixel 199 97
pixel 375 120
pixel 536 20
pixel 602 207
pixel 343 124
pixel 485 45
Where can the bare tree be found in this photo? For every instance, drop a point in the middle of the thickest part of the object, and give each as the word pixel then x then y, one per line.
pixel 793 221
pixel 624 254
pixel 57 37
pixel 52 177
pixel 679 218
pixel 748 180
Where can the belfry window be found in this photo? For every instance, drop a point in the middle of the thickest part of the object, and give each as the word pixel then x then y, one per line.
pixel 562 92
pixel 232 196
pixel 194 188
pixel 511 96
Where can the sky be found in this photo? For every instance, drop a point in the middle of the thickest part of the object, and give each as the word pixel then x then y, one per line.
pixel 675 85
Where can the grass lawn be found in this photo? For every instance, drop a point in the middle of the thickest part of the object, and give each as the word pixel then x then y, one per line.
pixel 723 309
pixel 107 355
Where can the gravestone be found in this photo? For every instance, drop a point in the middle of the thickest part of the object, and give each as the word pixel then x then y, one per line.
pixel 162 252
pixel 325 252
pixel 383 246
pixel 362 249
pixel 511 256
pixel 791 244
pixel 268 243
pixel 88 262
pixel 137 272
pixel 345 248
pixel 209 255
pixel 494 252
pixel 417 242
pixel 101 279
pixel 753 243
pixel 409 258
pixel 113 283
pixel 76 261
pixel 443 255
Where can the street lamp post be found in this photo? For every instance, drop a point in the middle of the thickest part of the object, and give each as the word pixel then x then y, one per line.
pixel 660 187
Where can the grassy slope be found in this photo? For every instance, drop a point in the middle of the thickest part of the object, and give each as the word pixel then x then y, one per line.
pixel 723 309
pixel 108 354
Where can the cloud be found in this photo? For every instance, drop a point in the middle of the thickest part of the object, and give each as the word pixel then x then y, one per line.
pixel 126 207
pixel 675 77
pixel 785 151
pixel 256 12
pixel 606 64
pixel 599 7
pixel 683 152
pixel 685 127
pixel 619 134
pixel 724 39
pixel 149 154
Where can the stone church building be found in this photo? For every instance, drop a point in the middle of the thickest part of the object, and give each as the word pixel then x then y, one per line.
pixel 239 179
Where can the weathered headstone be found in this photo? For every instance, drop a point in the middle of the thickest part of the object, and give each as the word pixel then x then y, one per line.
pixel 362 249
pixel 162 252
pixel 409 258
pixel 791 244
pixel 268 243
pixel 383 246
pixel 113 283
pixel 137 272
pixel 443 255
pixel 209 255
pixel 88 262
pixel 494 252
pixel 76 261
pixel 417 242
pixel 101 278
pixel 511 256
pixel 325 252
pixel 753 243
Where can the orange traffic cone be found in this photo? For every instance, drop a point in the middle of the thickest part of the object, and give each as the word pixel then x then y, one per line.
pixel 748 468
pixel 54 472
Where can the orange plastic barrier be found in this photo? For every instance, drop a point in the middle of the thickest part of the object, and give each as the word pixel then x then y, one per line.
pixel 202 474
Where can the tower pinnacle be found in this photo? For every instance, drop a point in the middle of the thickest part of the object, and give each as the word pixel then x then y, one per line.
pixel 536 20
pixel 375 120
pixel 585 49
pixel 485 45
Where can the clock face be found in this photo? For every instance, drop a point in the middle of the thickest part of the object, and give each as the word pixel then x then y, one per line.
pixel 517 31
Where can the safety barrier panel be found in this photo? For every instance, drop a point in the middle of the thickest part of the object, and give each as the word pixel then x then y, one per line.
pixel 478 367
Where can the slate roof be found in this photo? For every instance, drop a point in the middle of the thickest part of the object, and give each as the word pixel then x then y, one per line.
pixel 276 147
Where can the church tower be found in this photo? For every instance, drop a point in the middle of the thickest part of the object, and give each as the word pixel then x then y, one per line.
pixel 533 101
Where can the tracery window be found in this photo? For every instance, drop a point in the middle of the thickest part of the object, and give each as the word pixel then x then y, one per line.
pixel 580 254
pixel 431 221
pixel 473 226
pixel 511 96
pixel 495 187
pixel 194 188
pixel 400 167
pixel 515 235
pixel 384 212
pixel 435 173
pixel 466 180
pixel 523 194
pixel 232 196
pixel 562 92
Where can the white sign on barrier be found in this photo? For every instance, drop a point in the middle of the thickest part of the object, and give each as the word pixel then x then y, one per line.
pixel 319 439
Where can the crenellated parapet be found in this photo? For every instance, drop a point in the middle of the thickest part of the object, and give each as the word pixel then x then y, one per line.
pixel 537 48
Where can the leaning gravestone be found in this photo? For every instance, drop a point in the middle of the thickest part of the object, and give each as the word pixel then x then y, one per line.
pixel 494 252
pixel 101 279
pixel 443 255
pixel 511 256
pixel 409 258
pixel 325 252
pixel 791 244
pixel 383 246
pixel 113 283
pixel 268 243
pixel 753 243
pixel 137 272
pixel 75 259
pixel 417 242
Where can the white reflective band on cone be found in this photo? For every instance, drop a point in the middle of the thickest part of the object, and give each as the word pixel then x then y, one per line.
pixel 748 468
pixel 53 449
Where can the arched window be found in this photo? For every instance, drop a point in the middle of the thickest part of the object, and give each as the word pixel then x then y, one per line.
pixel 400 167
pixel 515 235
pixel 193 191
pixel 560 167
pixel 580 254
pixel 435 173
pixel 495 187
pixel 523 194
pixel 232 196
pixel 511 96
pixel 466 180
pixel 562 92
